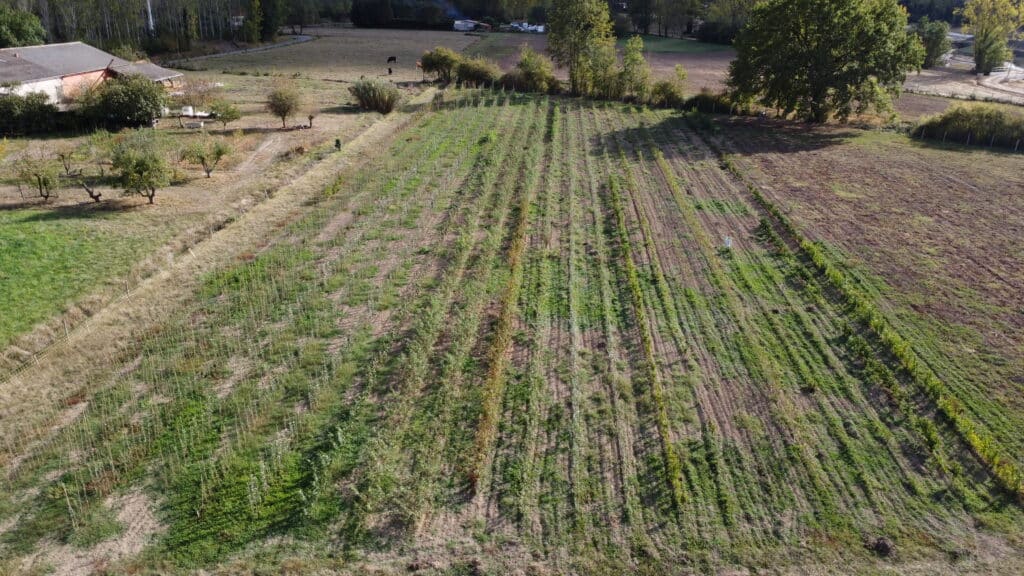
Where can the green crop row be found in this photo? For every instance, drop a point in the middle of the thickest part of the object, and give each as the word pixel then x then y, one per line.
pixel 673 464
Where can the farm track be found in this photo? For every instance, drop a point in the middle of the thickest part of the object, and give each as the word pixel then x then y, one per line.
pixel 514 340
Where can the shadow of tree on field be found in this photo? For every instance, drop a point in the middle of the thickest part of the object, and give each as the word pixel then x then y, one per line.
pixel 692 136
pixel 81 211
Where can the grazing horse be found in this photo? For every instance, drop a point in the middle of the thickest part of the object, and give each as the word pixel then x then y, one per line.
pixel 392 59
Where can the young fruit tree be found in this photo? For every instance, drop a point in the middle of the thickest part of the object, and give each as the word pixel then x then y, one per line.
pixel 225 112
pixel 819 58
pixel 40 174
pixel 207 153
pixel 283 102
pixel 140 167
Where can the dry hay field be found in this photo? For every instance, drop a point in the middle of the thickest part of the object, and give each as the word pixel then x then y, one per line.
pixel 511 339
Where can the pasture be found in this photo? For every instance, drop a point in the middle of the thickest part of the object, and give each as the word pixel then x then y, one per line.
pixel 517 337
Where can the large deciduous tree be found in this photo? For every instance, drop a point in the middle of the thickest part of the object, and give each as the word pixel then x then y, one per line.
pixel 819 58
pixel 575 28
pixel 18 28
pixel 992 22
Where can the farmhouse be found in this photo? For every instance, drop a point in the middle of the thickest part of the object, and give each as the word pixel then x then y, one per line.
pixel 62 71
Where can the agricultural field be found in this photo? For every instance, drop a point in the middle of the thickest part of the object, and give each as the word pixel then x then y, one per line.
pixel 544 336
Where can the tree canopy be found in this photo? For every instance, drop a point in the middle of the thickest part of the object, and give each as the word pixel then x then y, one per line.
pixel 131 100
pixel 991 22
pixel 577 30
pixel 818 58
pixel 934 36
pixel 18 28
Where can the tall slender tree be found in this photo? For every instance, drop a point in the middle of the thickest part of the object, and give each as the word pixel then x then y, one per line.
pixel 575 27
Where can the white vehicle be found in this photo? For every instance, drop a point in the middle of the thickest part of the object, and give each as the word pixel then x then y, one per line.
pixel 465 25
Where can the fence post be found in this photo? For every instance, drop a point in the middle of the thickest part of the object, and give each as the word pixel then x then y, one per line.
pixel 968 138
pixel 1017 145
pixel 944 136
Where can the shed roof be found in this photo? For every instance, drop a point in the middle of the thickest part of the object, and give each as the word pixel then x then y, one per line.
pixel 68 59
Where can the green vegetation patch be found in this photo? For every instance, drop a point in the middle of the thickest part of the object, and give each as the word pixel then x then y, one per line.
pixel 48 259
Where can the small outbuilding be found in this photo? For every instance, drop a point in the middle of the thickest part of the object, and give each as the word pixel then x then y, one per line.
pixel 62 71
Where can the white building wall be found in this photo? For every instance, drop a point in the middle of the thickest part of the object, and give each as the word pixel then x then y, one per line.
pixel 52 88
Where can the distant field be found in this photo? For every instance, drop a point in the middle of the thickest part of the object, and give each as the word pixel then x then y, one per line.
pixel 344 54
pixel 519 338
pixel 659 44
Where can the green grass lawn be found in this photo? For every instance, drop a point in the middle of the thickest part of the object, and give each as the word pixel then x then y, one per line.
pixel 48 259
pixel 676 45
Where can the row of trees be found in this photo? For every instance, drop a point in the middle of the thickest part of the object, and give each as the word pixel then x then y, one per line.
pixel 136 162
pixel 160 25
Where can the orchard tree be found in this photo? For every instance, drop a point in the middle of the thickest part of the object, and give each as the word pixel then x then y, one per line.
pixel 225 112
pixel 283 102
pixel 41 174
pixel 934 36
pixel 140 166
pixel 19 28
pixel 818 58
pixel 206 153
pixel 992 22
pixel 575 27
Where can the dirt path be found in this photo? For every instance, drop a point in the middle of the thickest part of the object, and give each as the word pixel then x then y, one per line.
pixel 31 395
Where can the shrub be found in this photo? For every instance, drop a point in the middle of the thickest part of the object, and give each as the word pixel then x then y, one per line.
pixel 26 114
pixel 714 103
pixel 131 100
pixel 374 94
pixel 477 72
pixel 536 71
pixel 979 124
pixel 667 94
pixel 440 62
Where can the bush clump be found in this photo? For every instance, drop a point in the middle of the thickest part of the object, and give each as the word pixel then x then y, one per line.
pixel 441 62
pixel 667 94
pixel 714 103
pixel 533 73
pixel 131 100
pixel 26 114
pixel 477 72
pixel 377 95
pixel 979 124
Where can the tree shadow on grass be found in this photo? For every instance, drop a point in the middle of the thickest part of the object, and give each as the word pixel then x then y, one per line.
pixel 81 211
pixel 702 136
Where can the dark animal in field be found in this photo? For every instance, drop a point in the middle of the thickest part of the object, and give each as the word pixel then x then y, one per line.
pixel 392 59
pixel 390 71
